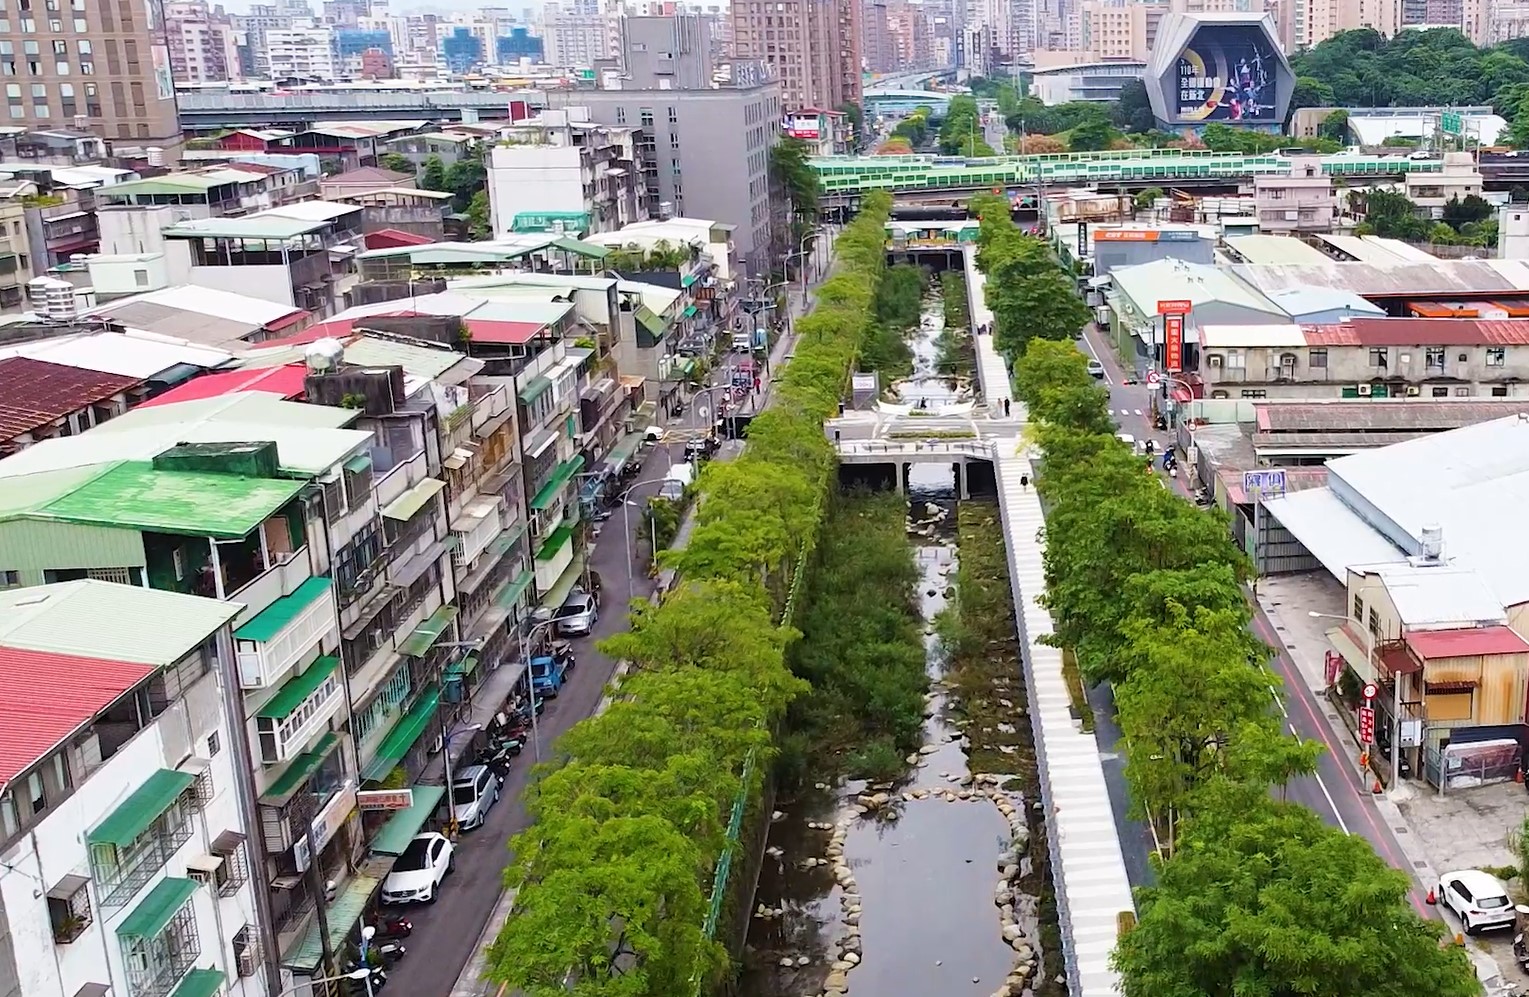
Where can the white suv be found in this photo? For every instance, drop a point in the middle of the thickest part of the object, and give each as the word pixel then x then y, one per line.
pixel 1479 899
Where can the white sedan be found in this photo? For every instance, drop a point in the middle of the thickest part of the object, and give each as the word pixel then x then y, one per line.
pixel 417 875
pixel 1478 899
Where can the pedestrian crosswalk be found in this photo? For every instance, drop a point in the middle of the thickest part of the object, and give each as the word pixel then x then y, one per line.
pixel 1128 412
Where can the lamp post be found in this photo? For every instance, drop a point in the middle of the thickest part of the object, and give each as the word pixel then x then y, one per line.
pixel 626 528
pixel 801 255
pixel 1396 690
pixel 363 973
pixel 704 392
pixel 451 799
pixel 526 640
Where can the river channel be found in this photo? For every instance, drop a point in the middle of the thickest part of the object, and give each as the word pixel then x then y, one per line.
pixel 907 888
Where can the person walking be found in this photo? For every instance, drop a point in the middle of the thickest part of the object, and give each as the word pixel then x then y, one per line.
pixel 1024 481
pixel 1005 408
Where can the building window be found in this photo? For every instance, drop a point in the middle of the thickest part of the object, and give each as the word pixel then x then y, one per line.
pixel 1441 392
pixel 645 117
pixel 1380 357
pixel 1499 391
pixel 1358 607
pixel 674 116
pixel 1433 357
pixel 1316 358
pixel 1497 356
pixel 1254 393
pixel 620 115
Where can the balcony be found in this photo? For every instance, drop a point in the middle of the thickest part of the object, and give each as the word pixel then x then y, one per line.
pixel 140 836
pixel 474 530
pixel 280 636
pixel 299 710
pixel 159 941
pixel 69 911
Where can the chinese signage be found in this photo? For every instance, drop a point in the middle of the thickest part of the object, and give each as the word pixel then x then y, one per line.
pixel 1226 73
pixel 1173 343
pixel 1174 306
pixel 326 825
pixel 1144 235
pixel 1366 725
pixel 1451 123
pixel 808 127
pixel 385 799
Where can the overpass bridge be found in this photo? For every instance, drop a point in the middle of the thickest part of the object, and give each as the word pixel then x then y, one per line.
pixel 847 177
pixel 905 81
pixel 214 111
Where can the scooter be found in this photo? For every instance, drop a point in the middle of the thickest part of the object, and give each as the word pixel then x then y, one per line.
pixel 392 926
pixel 1520 952
pixel 391 952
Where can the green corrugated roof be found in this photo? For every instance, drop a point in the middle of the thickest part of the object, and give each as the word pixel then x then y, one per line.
pixel 254 227
pixel 298 688
pixel 548 492
pixel 154 912
pixel 650 320
pixel 689 311
pixel 412 501
pixel 534 389
pixel 395 835
pixel 141 809
pixel 96 619
pixel 515 589
pixel 554 543
pixel 269 621
pixel 427 633
pixel 403 735
pixel 196 503
pixel 342 914
pixel 201 983
pixel 358 463
pixel 299 770
pixel 687 280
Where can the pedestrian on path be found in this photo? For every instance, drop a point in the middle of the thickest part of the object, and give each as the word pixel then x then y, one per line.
pixel 1005 408
pixel 1024 481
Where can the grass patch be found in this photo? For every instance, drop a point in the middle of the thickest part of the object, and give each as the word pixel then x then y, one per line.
pixel 862 646
pixel 957 355
pixel 1074 680
pixel 932 434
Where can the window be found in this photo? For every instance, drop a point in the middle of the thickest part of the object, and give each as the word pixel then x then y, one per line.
pixel 1358 606
pixel 645 117
pixel 620 115
pixel 214 745
pixel 1433 357
pixel 1497 356
pixel 1380 357
pixel 10 821
pixel 140 277
pixel 9 579
pixel 1254 393
pixel 37 795
pixel 1374 621
pixel 1440 392
pixel 1499 391
pixel 674 116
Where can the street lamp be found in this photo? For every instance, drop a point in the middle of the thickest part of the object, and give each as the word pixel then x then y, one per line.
pixel 1396 688
pixel 363 973
pixel 525 643
pixel 695 409
pixel 626 528
pixel 451 798
pixel 801 255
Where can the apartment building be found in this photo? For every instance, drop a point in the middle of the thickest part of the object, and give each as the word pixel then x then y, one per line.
pixel 575 36
pixel 202 44
pixel 126 815
pixel 301 52
pixel 1459 177
pixel 673 52
pixel 876 37
pixel 561 170
pixel 1108 31
pixel 131 216
pixel 1365 358
pixel 810 47
pixel 1301 201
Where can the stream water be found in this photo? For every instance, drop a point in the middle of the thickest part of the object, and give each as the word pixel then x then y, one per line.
pixel 926 386
pixel 901 889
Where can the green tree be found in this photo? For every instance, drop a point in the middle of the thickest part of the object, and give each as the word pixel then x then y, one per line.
pixel 396 162
pixel 466 177
pixel 1091 136
pixel 1132 112
pixel 1459 212
pixel 790 168
pixel 1334 126
pixel 1145 199
pixel 1262 898
pixel 433 176
pixel 479 225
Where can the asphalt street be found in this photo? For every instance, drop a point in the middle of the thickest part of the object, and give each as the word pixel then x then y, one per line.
pixel 1336 792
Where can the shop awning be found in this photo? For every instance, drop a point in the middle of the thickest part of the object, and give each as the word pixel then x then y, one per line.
pixel 403 735
pixel 650 321
pixel 462 668
pixel 406 505
pixel 342 914
pixel 687 280
pixel 395 835
pixel 427 633
pixel 513 591
pixel 554 596
pixel 298 771
pixel 298 689
pixel 547 494
pixel 554 543
pixel 534 389
pixel 358 463
pixel 142 808
pixel 154 912
pixel 201 983
pixel 266 624
pixel 623 450
pixel 689 311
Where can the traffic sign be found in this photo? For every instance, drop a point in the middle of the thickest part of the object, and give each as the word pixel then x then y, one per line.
pixel 1452 123
pixel 1371 690
pixel 1153 377
pixel 1366 725
pixel 1264 481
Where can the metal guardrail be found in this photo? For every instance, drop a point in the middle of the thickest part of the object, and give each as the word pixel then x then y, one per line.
pixel 937 447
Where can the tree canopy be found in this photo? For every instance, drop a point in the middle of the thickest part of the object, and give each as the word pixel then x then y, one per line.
pixel 1029 293
pixel 961 132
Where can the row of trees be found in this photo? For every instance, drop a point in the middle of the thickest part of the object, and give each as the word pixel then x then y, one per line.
pixel 1466 221
pixel 630 826
pixel 1028 292
pixel 1254 895
pixel 961 132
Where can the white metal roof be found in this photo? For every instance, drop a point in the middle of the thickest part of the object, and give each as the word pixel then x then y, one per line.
pixel 1251 336
pixel 1331 531
pixel 1148 283
pixel 1375 129
pixel 309 211
pixel 1299 301
pixel 96 619
pixel 206 301
pixel 118 353
pixel 1440 596
pixel 1273 249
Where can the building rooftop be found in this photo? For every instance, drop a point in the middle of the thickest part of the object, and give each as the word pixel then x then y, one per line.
pixel 137 495
pixel 1368 415
pixel 1467 642
pixel 203 315
pixel 1419 332
pixel 191 182
pixel 285 381
pixel 363 129
pixel 1370 249
pixel 99 619
pixel 34 393
pixel 1147 283
pixel 138 357
pixel 371 177
pixel 1239 337
pixel 277 223
pixel 496 251
pixel 1273 249
pixel 1433 597
pixel 1301 301
pixel 429 363
pixel 1398 279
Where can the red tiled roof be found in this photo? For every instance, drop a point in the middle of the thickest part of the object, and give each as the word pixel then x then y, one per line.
pixel 489 331
pixel 286 321
pixel 1419 332
pixel 34 393
pixel 392 238
pixel 285 382
pixel 333 329
pixel 1433 644
pixel 50 696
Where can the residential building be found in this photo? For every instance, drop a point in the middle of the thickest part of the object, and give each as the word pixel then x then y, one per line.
pixel 202 44
pixel 560 171
pixel 301 53
pixel 126 811
pixel 1215 295
pixel 60 338
pixel 826 133
pixel 1459 178
pixel 52 59
pixel 1301 201
pixel 363 179
pixel 1377 358
pixel 251 29
pixel 722 136
pixel 222 320
pixel 811 47
pixel 575 36
pixel 449 147
pixel 672 52
pixel 911 35
pixel 402 209
pixel 376 64
pixel 344 145
pixel 876 38
pixel 40 400
pixel 1092 81
pixel 15 256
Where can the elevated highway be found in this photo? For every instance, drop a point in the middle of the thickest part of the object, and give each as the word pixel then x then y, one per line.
pixel 214 111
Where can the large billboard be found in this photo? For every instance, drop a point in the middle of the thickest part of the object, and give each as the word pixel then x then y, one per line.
pixel 1227 73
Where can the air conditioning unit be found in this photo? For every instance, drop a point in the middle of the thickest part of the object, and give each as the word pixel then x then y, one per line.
pixel 1412 391
pixel 1214 359
pixel 201 877
pixel 248 961
pixel 1364 391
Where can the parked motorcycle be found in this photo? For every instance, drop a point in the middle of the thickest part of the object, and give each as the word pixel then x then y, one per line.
pixel 391 926
pixel 391 952
pixel 1521 952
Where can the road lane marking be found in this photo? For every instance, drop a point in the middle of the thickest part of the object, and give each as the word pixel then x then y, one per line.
pixel 1095 354
pixel 1331 803
pixel 1138 411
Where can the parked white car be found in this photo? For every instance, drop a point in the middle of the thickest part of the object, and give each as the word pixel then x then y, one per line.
pixel 1478 899
pixel 1095 368
pixel 417 875
pixel 474 791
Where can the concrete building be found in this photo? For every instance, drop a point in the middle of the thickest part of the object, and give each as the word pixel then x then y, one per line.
pixel 251 30
pixel 667 53
pixel 811 47
pixel 1302 201
pixel 723 138
pixel 303 53
pixel 41 401
pixel 575 37
pixel 911 35
pixel 875 37
pixel 15 259
pixel 1216 298
pixel 203 46
pixel 1094 81
pixel 562 169
pixel 1459 178
pixel 126 829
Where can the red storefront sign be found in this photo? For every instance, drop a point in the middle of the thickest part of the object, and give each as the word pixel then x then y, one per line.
pixel 1173 306
pixel 1173 343
pixel 1366 725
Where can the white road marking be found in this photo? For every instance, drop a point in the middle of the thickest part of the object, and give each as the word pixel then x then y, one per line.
pixel 1342 825
pixel 1137 412
pixel 1095 354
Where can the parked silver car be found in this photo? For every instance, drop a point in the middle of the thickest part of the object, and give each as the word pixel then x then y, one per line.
pixel 577 615
pixel 474 791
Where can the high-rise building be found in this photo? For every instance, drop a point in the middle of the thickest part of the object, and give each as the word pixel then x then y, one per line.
pixel 1005 29
pixel 254 51
pixel 305 53
pixel 202 44
pixel 1109 32
pixel 574 35
pixel 908 25
pixel 666 53
pixel 105 63
pixel 875 37
pixel 812 47
pixel 1315 21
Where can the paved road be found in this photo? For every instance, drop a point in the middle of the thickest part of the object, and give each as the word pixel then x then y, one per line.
pixel 1336 792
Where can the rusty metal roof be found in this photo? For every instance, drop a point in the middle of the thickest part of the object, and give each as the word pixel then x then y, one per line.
pixel 36 393
pixel 1276 419
pixel 1419 332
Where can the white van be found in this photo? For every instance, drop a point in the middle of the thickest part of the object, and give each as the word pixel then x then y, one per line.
pixel 680 477
pixel 743 342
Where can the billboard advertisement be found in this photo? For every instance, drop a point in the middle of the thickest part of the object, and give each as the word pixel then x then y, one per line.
pixel 1227 73
pixel 808 127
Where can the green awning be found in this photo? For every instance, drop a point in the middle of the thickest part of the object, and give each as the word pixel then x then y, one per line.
pixel 141 809
pixel 650 321
pixel 506 538
pixel 554 543
pixel 623 450
pixel 465 667
pixel 155 910
pixel 201 983
pixel 689 311
pixel 406 505
pixel 396 834
pixel 269 621
pixel 342 913
pixel 513 591
pixel 687 280
pixel 427 633
pixel 358 463
pixel 548 493
pixel 403 735
pixel 554 597
pixel 298 771
pixel 686 367
pixel 298 688
pixel 534 389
